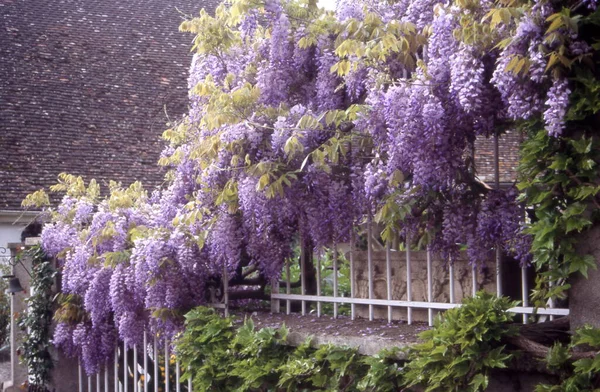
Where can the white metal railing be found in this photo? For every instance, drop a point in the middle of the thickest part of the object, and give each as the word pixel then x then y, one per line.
pixel 121 376
pixel 406 299
pixel 145 375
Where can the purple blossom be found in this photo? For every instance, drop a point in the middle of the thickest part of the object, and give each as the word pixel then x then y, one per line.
pixel 557 102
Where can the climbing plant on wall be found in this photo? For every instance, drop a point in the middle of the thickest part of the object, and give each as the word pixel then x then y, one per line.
pixel 311 122
pixel 37 320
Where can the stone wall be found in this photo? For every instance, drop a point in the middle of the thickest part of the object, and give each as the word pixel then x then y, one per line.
pixel 441 282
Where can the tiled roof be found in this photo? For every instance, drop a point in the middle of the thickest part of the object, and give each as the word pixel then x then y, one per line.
pixel 86 87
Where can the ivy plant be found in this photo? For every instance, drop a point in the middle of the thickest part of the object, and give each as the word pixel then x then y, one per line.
pixel 35 349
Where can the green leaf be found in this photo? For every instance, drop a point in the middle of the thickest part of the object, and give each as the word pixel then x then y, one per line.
pixel 479 382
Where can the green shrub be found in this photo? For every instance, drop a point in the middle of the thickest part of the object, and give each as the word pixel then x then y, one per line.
pixel 464 344
pixel 580 375
pixel 385 373
pixel 221 357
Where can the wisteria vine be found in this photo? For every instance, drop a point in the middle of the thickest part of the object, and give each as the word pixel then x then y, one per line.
pixel 303 125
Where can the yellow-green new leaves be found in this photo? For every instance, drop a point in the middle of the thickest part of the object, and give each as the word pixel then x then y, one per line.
pixel 74 186
pixel 563 19
pixel 503 15
pixel 229 196
pixel 112 259
pixel 126 198
pixel 237 10
pixel 271 179
pixel 213 35
pixel 276 187
pixel 293 147
pixel 309 122
pixel 518 64
pixel 371 41
pixel 36 199
pixel 178 134
pixel 226 107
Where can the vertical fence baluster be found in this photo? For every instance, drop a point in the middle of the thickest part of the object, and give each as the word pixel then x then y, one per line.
pixel 116 368
pixel 319 305
pixel 451 277
pixel 302 274
pixel 288 287
pixel 551 300
pixel 352 291
pixel 498 272
pixel 106 377
pixel 388 278
pixel 335 280
pixel 155 354
pixel 370 265
pixel 166 364
pixel 429 287
pixel 89 384
pixel 98 381
pixel 408 280
pixel 145 352
pixel 226 290
pixel 190 381
pixel 275 303
pixel 474 281
pixel 135 369
pixel 80 377
pixel 498 251
pixel 524 292
pixel 125 372
pixel 177 376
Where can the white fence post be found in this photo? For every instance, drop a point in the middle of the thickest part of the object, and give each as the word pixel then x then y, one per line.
pixel 319 305
pixel 429 287
pixel 408 280
pixel 370 264
pixel 388 278
pixel 352 289
pixel 335 279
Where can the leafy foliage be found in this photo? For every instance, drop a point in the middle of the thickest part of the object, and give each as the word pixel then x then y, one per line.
pixel 221 357
pixel 464 344
pixel 576 375
pixel 385 372
pixel 5 315
pixel 305 123
pixel 559 176
pixel 38 319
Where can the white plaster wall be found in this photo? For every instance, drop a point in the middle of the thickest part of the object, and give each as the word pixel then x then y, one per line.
pixel 10 233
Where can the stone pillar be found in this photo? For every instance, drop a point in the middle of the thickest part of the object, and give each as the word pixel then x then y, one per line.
pixel 584 295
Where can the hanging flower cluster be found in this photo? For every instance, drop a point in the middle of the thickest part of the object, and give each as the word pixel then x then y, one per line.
pixel 303 124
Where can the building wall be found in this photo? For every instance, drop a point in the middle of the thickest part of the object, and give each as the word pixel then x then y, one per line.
pixel 12 224
pixel 9 234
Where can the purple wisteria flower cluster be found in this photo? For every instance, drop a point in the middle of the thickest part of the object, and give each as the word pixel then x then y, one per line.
pixel 283 147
